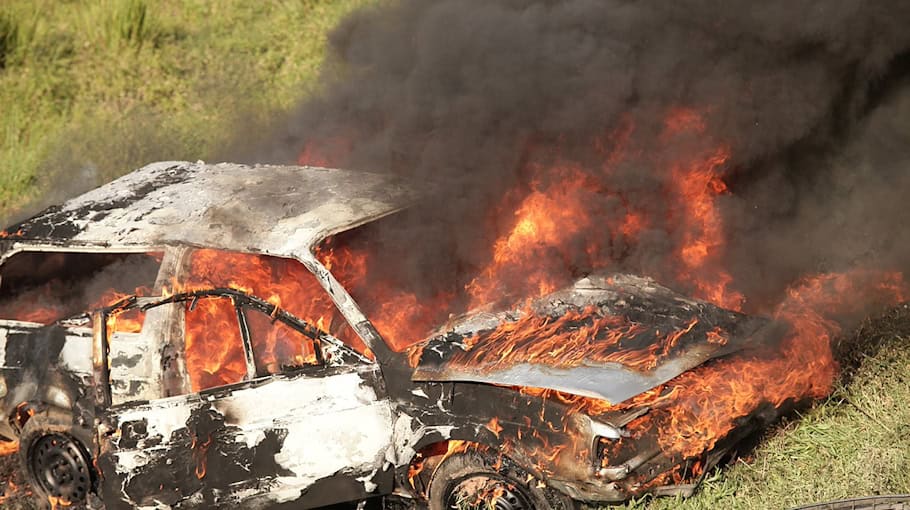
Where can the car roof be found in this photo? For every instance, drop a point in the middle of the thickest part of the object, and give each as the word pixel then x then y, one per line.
pixel 277 210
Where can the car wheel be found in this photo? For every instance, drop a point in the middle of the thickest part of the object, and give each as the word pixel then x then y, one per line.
pixel 54 462
pixel 470 481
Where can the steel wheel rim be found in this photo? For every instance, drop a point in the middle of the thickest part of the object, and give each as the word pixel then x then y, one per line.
pixel 486 492
pixel 60 468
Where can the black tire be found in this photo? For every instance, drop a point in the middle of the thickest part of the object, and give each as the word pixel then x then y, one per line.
pixel 894 502
pixel 472 480
pixel 55 462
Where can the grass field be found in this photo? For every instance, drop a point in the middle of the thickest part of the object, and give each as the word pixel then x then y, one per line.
pixel 90 89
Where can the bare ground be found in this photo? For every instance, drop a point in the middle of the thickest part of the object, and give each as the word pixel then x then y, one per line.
pixel 14 494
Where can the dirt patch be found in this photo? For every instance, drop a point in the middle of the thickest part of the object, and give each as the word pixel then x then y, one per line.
pixel 14 494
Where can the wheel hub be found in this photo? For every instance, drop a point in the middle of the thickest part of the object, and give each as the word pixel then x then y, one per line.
pixel 60 468
pixel 486 493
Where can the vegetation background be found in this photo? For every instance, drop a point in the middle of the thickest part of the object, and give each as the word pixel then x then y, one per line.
pixel 91 89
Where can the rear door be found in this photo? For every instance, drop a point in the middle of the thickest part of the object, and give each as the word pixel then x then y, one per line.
pixel 51 364
pixel 281 414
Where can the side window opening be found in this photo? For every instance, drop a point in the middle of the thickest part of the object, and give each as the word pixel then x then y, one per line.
pixel 229 338
pixel 277 347
pixel 130 321
pixel 44 287
pixel 214 345
pixel 285 282
pixel 215 354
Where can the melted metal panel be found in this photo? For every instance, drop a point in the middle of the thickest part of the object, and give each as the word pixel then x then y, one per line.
pixel 655 310
pixel 272 441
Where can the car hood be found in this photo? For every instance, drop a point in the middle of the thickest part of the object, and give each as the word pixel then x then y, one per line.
pixel 609 336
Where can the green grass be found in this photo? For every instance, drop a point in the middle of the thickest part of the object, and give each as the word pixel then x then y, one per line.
pixel 92 89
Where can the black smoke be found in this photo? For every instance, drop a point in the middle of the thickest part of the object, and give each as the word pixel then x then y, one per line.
pixel 808 96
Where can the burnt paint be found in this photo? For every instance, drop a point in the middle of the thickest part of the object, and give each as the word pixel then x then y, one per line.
pixel 226 462
pixel 655 311
pixel 529 429
pixel 230 465
pixel 126 361
pixel 51 222
pixel 529 426
pixel 127 387
pixel 132 432
pixel 58 224
pixel 36 353
pixel 737 328
pixel 331 490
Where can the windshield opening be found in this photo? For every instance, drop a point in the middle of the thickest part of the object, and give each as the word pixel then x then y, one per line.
pixel 404 278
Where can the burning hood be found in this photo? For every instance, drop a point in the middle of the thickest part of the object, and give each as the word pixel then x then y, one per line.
pixel 278 210
pixel 608 337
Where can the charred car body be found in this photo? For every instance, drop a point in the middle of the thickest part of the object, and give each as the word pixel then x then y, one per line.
pixel 112 416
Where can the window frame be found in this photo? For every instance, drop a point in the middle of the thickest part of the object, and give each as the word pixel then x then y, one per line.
pixel 275 315
pixel 101 337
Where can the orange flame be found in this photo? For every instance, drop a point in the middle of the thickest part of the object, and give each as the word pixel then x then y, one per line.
pixel 47 303
pixel 546 216
pixel 692 412
pixel 8 448
pixel 544 231
pixel 570 340
pixel 400 316
pixel 200 451
pixel 703 237
pixel 56 502
pixel 214 351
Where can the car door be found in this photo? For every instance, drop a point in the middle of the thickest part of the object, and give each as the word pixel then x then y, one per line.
pixel 281 414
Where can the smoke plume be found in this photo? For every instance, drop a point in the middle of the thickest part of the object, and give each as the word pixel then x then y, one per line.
pixel 806 97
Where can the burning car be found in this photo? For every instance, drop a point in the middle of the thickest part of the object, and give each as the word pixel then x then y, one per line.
pixel 188 386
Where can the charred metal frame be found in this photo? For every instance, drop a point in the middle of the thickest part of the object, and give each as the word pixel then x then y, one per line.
pixel 102 363
pixel 101 339
pixel 427 407
pixel 342 357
